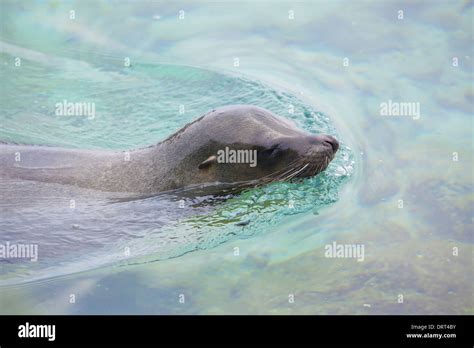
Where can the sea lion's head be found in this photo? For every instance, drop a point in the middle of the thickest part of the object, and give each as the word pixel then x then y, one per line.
pixel 248 144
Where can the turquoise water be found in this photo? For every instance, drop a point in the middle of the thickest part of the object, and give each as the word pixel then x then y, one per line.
pixel 188 64
pixel 142 109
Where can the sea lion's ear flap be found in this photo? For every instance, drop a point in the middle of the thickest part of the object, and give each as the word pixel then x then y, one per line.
pixel 207 163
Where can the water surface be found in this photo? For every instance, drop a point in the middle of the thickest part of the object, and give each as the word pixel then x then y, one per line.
pixel 426 163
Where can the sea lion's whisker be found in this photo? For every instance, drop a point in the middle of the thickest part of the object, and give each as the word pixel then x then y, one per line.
pixel 297 172
pixel 288 172
pixel 282 172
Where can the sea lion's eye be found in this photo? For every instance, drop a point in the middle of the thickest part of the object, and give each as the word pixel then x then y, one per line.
pixel 208 162
pixel 270 152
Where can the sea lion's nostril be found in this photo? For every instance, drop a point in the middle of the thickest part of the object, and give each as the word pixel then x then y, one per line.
pixel 330 141
pixel 334 143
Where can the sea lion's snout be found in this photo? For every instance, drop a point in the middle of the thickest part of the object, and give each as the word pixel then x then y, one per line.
pixel 331 141
pixel 326 141
pixel 317 151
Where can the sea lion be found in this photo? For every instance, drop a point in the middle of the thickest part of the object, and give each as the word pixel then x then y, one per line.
pixel 209 150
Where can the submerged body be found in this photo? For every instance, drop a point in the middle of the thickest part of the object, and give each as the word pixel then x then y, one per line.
pixel 189 157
